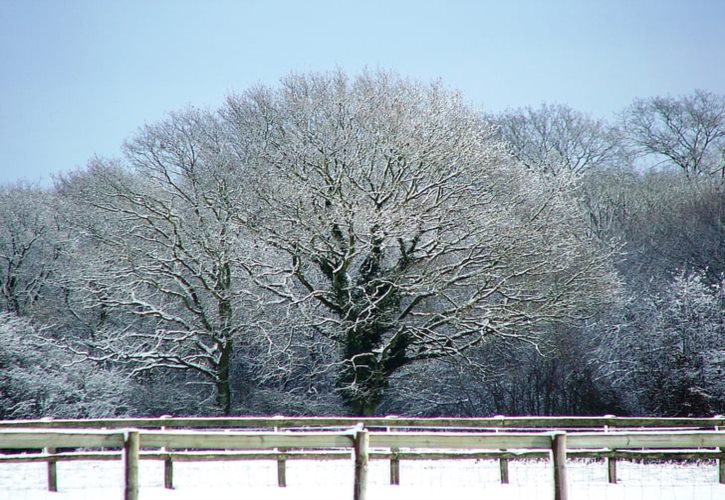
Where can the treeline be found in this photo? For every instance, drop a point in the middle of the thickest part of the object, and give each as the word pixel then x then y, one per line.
pixel 372 245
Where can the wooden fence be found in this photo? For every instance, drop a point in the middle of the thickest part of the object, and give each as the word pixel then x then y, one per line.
pixel 498 422
pixel 393 439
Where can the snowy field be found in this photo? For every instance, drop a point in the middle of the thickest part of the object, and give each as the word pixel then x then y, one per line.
pixel 420 480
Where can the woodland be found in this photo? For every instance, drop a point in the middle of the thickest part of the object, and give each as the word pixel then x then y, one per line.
pixel 374 245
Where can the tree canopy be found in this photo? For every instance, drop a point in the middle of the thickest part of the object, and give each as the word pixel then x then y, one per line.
pixel 365 244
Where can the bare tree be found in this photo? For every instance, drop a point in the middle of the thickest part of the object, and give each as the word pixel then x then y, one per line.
pixel 407 231
pixel 668 223
pixel 667 351
pixel 555 139
pixel 166 258
pixel 28 247
pixel 35 380
pixel 687 132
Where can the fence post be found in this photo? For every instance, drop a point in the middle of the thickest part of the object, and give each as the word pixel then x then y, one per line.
pixel 52 470
pixel 130 464
pixel 281 471
pixel 169 473
pixel 281 466
pixel 168 462
pixel 394 459
pixel 612 470
pixel 558 449
pixel 611 461
pixel 52 464
pixel 721 458
pixel 503 465
pixel 361 462
pixel 394 467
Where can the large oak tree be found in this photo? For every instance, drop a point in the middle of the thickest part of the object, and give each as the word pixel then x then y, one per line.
pixel 401 227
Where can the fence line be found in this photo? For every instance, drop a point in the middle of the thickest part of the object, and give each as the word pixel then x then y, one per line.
pixel 358 442
pixel 281 422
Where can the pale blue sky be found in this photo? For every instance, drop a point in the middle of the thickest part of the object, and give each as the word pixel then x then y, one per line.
pixel 77 77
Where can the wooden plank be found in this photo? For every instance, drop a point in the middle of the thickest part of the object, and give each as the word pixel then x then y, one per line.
pixel 462 455
pixel 221 456
pixel 647 454
pixel 652 440
pixel 40 438
pixel 60 457
pixel 245 440
pixel 201 456
pixel 458 440
pixel 130 465
pixel 187 423
pixel 382 422
pixel 407 455
pixel 216 456
pixel 414 455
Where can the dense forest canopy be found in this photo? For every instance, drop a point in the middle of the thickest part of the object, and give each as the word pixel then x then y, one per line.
pixel 370 244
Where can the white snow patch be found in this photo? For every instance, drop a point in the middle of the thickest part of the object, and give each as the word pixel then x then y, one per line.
pixel 332 480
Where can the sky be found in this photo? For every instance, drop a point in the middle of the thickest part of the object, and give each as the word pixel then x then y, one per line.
pixel 78 77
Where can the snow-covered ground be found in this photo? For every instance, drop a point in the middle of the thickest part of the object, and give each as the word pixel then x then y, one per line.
pixel 420 480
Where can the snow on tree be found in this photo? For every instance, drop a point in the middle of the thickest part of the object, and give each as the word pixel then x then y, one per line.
pixel 40 379
pixel 558 140
pixel 668 355
pixel 408 232
pixel 166 257
pixel 687 132
pixel 28 249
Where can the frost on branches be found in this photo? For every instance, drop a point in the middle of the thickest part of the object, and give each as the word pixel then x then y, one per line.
pixel 330 227
pixel 400 227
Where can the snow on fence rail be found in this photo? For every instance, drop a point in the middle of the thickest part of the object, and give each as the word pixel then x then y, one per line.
pixel 498 422
pixel 360 443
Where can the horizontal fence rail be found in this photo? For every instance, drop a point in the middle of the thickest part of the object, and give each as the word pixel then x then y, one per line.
pixel 647 440
pixel 462 440
pixel 394 442
pixel 499 422
pixel 32 438
pixel 245 440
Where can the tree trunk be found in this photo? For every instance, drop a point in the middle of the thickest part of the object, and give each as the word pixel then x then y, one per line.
pixel 362 385
pixel 224 393
pixel 364 377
